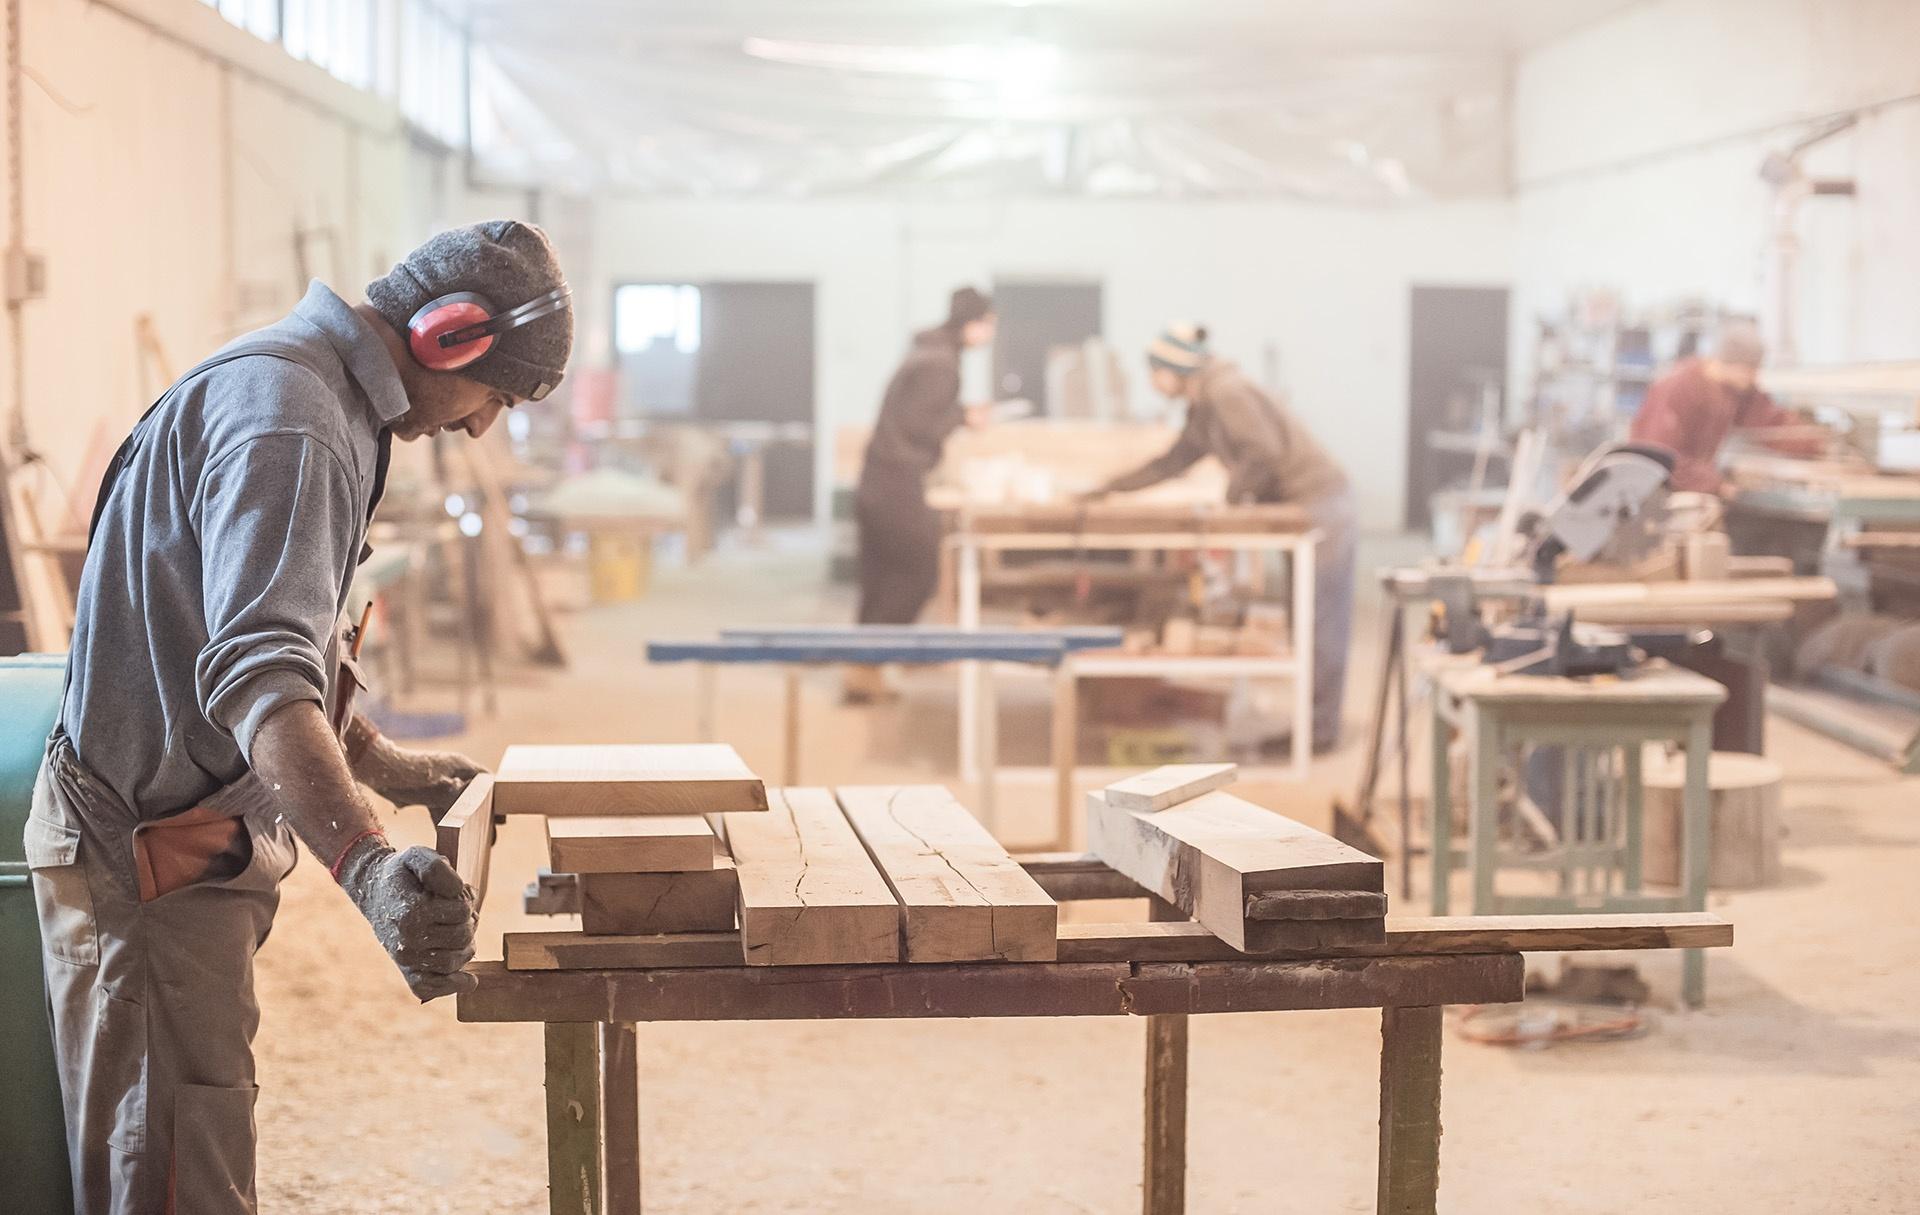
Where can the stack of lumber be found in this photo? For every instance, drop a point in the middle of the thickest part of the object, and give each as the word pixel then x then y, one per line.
pixel 681 857
pixel 1259 882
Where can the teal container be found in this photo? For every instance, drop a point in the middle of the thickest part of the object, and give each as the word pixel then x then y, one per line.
pixel 33 1143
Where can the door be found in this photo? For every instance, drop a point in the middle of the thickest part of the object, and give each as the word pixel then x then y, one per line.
pixel 1456 382
pixel 1035 317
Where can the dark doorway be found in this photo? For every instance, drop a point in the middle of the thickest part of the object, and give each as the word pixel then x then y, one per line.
pixel 1456 375
pixel 1035 317
pixel 725 352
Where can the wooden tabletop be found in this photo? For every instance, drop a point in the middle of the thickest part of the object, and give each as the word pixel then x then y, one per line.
pixel 1655 683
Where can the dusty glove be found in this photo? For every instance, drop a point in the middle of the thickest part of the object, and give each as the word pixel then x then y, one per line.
pixel 421 912
pixel 434 779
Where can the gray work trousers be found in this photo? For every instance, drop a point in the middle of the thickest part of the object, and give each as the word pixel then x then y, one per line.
pixel 152 1003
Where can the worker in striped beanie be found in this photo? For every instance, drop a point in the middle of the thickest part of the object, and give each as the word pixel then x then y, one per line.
pixel 1270 457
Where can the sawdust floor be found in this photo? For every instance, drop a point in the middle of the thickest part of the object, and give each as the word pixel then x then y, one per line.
pixel 1796 1090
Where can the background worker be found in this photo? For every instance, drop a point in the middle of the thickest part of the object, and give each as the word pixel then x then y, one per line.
pixel 899 532
pixel 205 722
pixel 1692 409
pixel 1270 457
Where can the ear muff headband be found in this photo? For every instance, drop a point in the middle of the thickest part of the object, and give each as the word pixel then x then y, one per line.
pixel 455 331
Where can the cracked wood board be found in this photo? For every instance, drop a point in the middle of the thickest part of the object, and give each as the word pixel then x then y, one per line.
pixel 665 843
pixel 809 893
pixel 702 778
pixel 696 901
pixel 1169 785
pixel 1207 855
pixel 584 951
pixel 962 898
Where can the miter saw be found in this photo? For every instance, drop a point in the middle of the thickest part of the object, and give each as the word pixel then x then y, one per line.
pixel 1612 511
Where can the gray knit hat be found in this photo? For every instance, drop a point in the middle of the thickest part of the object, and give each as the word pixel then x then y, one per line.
pixel 509 263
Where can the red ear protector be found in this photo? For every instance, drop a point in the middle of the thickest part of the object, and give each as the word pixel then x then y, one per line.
pixel 457 330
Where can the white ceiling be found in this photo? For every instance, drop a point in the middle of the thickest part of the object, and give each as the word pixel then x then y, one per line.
pixel 1351 100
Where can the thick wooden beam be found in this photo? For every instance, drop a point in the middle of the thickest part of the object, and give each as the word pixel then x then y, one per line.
pixel 464 835
pixel 961 896
pixel 1414 936
pixel 1169 785
pixel 1207 855
pixel 809 893
pixel 696 778
pixel 665 843
pixel 985 989
pixel 1409 1110
pixel 574 1148
pixel 701 900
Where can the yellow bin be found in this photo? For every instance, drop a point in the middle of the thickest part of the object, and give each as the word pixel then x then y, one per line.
pixel 619 566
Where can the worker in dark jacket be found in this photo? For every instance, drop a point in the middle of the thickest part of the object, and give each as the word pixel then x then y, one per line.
pixel 1270 457
pixel 899 532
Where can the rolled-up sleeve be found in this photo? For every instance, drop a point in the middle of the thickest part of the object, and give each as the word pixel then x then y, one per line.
pixel 276 518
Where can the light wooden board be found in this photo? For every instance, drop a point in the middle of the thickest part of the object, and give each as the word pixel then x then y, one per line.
pixel 1206 856
pixel 585 951
pixel 1169 785
pixel 464 835
pixel 698 901
pixel 809 893
pixel 962 898
pixel 1415 936
pixel 1732 590
pixel 626 779
pixel 665 843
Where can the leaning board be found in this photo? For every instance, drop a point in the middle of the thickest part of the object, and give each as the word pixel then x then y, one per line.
pixel 962 898
pixel 1207 855
pixel 707 778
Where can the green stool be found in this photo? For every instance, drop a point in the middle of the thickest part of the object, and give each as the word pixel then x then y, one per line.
pixel 1601 725
pixel 32 1123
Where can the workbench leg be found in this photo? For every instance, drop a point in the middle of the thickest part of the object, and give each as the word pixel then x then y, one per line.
pixel 1696 826
pixel 708 675
pixel 620 1094
pixel 1164 1178
pixel 967 609
pixel 1636 787
pixel 1409 1110
pixel 790 773
pixel 1066 748
pixel 1483 809
pixel 574 1155
pixel 1440 805
pixel 989 748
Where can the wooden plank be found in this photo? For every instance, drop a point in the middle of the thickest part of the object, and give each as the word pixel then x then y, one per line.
pixel 573 1117
pixel 985 989
pixel 1409 1176
pixel 1169 785
pixel 809 893
pixel 464 835
pixel 1415 936
pixel 698 778
pixel 1316 905
pixel 961 897
pixel 701 900
pixel 667 843
pixel 1565 596
pixel 1208 855
pixel 619 951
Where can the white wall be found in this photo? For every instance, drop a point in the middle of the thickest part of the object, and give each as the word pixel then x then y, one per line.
pixel 1328 286
pixel 168 161
pixel 1638 143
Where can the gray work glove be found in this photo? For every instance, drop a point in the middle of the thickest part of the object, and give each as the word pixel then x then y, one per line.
pixel 434 779
pixel 421 911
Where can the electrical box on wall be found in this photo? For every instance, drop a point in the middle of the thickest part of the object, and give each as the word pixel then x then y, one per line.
pixel 26 275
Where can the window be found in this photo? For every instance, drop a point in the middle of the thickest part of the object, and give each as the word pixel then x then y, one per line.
pixel 433 72
pixel 261 17
pixel 646 313
pixel 337 35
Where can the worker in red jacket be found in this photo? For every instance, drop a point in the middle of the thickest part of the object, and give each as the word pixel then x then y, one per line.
pixel 1693 408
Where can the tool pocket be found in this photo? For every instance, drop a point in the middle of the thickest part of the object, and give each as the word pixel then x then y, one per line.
pixel 68 930
pixel 213 1137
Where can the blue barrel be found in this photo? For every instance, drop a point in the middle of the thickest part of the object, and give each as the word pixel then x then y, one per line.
pixel 32 1136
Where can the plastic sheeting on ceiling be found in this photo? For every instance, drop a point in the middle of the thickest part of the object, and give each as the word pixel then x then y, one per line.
pixel 1340 100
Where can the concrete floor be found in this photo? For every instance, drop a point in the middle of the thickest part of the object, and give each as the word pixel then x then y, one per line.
pixel 1796 1090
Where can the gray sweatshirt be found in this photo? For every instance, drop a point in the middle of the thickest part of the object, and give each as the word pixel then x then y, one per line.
pixel 223 556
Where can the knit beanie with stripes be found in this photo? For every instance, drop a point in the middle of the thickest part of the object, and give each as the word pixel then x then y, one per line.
pixel 1181 348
